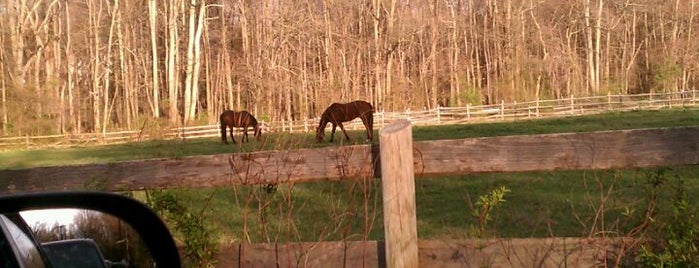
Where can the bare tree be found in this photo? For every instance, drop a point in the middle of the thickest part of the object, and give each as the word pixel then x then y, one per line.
pixel 172 52
pixel 152 18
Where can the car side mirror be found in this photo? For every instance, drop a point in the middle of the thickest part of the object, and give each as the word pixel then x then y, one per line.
pixel 141 219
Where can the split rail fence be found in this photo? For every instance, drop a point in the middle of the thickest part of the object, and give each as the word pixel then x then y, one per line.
pixel 390 160
pixel 442 115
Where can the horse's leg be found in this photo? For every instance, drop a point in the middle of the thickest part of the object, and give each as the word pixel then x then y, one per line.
pixel 343 130
pixel 332 133
pixel 370 126
pixel 245 134
pixel 367 120
pixel 223 134
pixel 232 136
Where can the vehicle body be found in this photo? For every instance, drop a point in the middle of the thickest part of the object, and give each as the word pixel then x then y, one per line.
pixel 79 252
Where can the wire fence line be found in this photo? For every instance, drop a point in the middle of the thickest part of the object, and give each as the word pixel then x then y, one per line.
pixel 572 106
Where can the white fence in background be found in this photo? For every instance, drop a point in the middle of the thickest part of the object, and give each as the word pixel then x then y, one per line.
pixel 440 116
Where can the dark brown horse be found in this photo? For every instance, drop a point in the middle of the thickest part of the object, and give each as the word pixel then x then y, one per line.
pixel 338 113
pixel 242 119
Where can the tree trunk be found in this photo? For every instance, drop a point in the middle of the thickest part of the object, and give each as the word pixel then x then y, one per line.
pixel 152 17
pixel 454 90
pixel 70 73
pixel 15 18
pixel 172 52
pixel 434 55
pixel 189 85
pixel 109 69
pixel 598 48
pixel 197 61
pixel 96 72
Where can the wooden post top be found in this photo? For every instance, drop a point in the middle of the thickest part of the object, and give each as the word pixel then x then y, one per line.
pixel 394 127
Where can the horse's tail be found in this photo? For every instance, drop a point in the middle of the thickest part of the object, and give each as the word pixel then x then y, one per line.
pixel 370 121
pixel 372 109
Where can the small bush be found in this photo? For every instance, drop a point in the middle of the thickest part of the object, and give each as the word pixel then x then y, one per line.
pixel 485 205
pixel 199 249
pixel 675 243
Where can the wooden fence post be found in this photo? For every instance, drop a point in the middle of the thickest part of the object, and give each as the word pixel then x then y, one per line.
pixel 398 186
pixel 468 111
pixel 502 109
pixel 572 104
pixel 383 118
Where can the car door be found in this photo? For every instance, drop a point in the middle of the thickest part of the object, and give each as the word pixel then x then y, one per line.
pixel 17 246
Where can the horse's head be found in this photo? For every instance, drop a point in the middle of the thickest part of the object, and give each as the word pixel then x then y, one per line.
pixel 320 134
pixel 258 131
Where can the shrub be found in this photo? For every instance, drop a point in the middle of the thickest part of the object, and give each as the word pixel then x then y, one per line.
pixel 199 249
pixel 675 244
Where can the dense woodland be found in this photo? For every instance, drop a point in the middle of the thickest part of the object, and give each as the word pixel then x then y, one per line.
pixel 97 65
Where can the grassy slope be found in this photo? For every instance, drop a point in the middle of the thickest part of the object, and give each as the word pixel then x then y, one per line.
pixel 539 204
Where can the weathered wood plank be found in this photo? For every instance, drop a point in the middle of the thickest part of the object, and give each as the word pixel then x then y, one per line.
pixel 594 150
pixel 569 151
pixel 398 187
pixel 333 163
pixel 528 252
pixel 308 254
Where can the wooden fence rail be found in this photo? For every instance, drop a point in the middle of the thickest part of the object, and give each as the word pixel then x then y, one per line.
pixel 502 252
pixel 568 151
pixel 572 106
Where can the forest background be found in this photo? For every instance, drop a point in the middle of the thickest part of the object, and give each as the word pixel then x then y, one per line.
pixel 95 65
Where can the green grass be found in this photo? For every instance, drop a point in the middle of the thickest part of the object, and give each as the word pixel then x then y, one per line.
pixel 599 122
pixel 540 204
pixel 543 204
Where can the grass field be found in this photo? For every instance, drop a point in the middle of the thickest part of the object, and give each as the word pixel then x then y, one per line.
pixel 539 204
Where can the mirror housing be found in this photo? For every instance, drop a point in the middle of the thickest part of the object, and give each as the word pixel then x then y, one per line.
pixel 142 219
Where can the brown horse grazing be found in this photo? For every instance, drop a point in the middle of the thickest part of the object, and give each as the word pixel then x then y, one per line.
pixel 241 119
pixel 338 113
